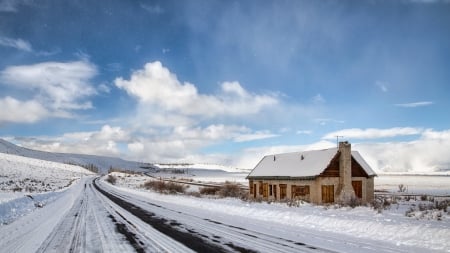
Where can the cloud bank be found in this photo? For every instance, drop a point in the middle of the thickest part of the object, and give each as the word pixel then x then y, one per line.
pixel 373 133
pixel 55 88
pixel 156 85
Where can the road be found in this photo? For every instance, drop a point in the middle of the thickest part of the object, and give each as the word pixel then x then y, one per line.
pixel 93 216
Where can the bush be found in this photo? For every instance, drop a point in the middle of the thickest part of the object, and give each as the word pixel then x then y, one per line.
pixel 165 187
pixel 209 190
pixel 381 203
pixel 230 190
pixel 111 179
pixel 354 202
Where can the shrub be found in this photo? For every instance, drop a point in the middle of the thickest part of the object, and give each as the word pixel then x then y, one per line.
pixel 381 203
pixel 209 190
pixel 230 190
pixel 354 202
pixel 401 188
pixel 442 205
pixel 164 187
pixel 111 179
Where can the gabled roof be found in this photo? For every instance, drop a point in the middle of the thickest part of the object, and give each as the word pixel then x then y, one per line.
pixel 307 164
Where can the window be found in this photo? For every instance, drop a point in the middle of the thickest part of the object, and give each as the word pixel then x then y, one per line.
pixel 283 188
pixel 270 190
pixel 299 191
pixel 275 191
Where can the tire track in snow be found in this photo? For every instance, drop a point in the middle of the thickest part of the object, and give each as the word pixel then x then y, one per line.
pixel 190 240
pixel 231 238
pixel 81 227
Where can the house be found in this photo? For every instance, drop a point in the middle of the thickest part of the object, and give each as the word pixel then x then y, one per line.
pixel 335 175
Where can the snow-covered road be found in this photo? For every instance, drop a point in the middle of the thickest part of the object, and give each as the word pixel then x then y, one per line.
pixel 94 216
pixel 84 220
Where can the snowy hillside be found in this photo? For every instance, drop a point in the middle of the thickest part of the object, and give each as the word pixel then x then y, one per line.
pixel 28 183
pixel 23 174
pixel 102 162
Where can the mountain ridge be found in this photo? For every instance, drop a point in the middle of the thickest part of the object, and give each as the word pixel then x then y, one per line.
pixel 103 163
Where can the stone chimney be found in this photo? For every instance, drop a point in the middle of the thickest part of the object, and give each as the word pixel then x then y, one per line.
pixel 345 190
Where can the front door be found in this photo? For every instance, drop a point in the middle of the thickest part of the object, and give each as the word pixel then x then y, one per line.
pixel 327 193
pixel 357 187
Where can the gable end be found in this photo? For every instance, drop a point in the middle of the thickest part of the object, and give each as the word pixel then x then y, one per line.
pixel 332 169
pixel 357 169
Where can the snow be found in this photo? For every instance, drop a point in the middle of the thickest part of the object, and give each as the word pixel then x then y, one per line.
pixel 364 224
pixel 71 209
pixel 27 183
pixel 414 184
pixel 104 163
pixel 301 164
pixel 23 174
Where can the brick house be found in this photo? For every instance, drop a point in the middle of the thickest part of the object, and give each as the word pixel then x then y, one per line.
pixel 335 175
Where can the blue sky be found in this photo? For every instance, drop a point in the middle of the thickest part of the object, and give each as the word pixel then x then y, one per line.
pixel 228 81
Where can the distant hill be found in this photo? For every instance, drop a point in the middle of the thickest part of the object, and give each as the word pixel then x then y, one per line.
pixel 103 163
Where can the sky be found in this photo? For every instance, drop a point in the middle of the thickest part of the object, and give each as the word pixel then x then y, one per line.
pixel 226 82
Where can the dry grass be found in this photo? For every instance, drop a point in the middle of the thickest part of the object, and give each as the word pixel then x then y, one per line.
pixel 165 187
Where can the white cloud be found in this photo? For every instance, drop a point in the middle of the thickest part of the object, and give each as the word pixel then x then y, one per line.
pixel 12 5
pixel 318 99
pixel 156 85
pixel 18 44
pixel 382 85
pixel 416 156
pixel 101 142
pixel 60 86
pixel 153 9
pixel 421 155
pixel 258 135
pixel 415 104
pixel 325 121
pixel 15 111
pixel 373 133
pixel 304 132
pixel 104 88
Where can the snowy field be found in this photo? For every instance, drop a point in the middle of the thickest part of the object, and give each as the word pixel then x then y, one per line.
pixel 26 183
pixel 415 184
pixel 422 231
pixel 402 226
pixel 22 174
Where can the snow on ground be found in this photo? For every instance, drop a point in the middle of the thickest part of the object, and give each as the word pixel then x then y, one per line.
pixel 415 184
pixel 22 174
pixel 364 223
pixel 27 183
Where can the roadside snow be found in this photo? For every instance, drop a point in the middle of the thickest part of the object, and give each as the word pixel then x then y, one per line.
pixel 364 223
pixel 23 174
pixel 27 184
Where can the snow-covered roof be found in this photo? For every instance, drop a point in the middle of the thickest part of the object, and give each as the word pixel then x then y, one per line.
pixel 305 164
